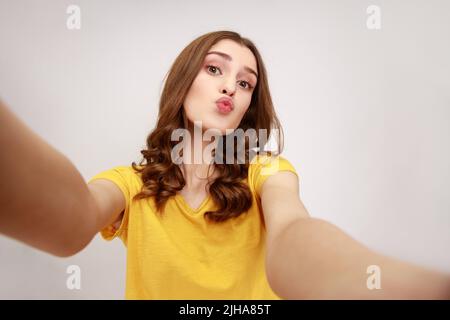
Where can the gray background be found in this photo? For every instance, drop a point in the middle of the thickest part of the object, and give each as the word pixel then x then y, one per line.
pixel 365 112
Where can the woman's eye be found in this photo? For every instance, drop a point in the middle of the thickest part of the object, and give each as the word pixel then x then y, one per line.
pixel 248 85
pixel 212 69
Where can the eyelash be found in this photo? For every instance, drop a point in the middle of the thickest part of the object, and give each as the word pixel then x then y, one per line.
pixel 250 87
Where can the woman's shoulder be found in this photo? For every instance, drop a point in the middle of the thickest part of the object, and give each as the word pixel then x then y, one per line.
pixel 265 165
pixel 122 173
pixel 129 170
pixel 265 159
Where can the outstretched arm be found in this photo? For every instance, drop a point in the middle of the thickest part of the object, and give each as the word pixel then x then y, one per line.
pixel 44 201
pixel 309 258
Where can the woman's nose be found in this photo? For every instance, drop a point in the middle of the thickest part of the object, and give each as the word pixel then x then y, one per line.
pixel 229 87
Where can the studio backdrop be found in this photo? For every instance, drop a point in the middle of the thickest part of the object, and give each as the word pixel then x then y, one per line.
pixel 362 90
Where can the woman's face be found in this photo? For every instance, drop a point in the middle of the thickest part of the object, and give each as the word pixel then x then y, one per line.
pixel 221 76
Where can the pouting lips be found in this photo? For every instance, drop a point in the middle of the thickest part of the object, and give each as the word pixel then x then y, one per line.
pixel 224 107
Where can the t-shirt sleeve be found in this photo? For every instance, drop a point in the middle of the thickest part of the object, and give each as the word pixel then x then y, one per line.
pixel 121 176
pixel 266 166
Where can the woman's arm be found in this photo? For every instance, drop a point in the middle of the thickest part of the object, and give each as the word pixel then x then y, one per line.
pixel 44 200
pixel 309 258
pixel 313 259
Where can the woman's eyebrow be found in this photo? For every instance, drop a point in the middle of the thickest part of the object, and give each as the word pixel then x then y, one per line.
pixel 226 56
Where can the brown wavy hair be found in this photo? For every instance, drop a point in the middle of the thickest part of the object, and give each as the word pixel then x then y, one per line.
pixel 161 177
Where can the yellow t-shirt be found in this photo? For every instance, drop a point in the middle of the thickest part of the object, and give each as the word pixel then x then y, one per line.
pixel 180 256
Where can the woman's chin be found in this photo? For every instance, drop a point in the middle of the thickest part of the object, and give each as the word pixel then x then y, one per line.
pixel 216 127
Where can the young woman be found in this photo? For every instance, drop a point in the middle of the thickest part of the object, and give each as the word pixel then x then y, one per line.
pixel 199 229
